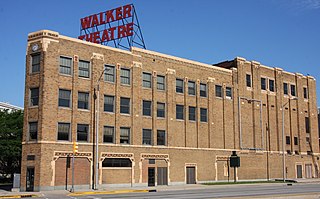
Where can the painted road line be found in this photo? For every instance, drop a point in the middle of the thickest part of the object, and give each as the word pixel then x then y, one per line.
pixel 108 192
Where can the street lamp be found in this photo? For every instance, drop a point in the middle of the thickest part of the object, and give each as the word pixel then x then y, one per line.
pixel 96 110
pixel 283 142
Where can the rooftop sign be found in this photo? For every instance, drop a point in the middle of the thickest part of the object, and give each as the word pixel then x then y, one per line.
pixel 118 27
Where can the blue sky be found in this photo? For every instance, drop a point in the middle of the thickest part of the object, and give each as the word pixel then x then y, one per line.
pixel 277 33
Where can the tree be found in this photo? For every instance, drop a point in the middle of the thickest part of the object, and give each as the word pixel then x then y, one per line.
pixel 11 127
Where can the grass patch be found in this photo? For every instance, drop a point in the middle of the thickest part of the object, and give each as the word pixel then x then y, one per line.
pixel 242 182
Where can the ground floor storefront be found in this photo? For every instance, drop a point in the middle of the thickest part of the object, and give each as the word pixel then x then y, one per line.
pixel 134 166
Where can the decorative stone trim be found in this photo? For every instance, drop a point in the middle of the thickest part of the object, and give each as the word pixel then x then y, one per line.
pixel 211 79
pixel 117 155
pixel 97 56
pixel 222 158
pixel 171 71
pixel 137 64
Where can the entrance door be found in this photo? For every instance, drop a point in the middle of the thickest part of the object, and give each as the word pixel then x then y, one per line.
pixel 299 171
pixel 30 179
pixel 191 175
pixel 162 177
pixel 151 177
pixel 308 170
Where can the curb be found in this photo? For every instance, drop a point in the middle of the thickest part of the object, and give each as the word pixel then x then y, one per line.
pixel 20 196
pixel 110 192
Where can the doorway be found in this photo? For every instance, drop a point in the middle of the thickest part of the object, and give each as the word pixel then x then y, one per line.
pixel 30 179
pixel 151 177
pixel 162 176
pixel 191 175
pixel 299 171
pixel 308 170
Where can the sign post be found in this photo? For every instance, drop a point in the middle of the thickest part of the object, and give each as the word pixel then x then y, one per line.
pixel 234 162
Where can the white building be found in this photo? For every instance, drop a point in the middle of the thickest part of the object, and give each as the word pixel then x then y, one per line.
pixel 9 107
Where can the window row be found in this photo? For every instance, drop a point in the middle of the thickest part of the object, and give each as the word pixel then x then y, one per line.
pixel 192 113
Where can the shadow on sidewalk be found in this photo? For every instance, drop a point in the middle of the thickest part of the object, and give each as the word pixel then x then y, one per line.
pixel 6 187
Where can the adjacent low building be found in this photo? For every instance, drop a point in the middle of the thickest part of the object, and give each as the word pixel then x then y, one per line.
pixel 9 107
pixel 161 120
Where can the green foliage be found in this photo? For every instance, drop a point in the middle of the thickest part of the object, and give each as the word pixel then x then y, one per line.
pixel 11 127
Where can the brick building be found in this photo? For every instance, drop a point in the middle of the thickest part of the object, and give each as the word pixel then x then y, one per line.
pixel 162 120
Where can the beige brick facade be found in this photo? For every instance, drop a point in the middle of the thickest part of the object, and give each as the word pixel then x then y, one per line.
pixel 248 121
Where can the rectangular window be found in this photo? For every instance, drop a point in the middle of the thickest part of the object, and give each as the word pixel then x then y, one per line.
pixel 116 162
pixel 64 98
pixel 83 133
pixel 229 92
pixel 263 83
pixel 218 91
pixel 285 88
pixel 34 96
pixel 293 90
pixel 161 109
pixel 146 108
pixel 65 65
pixel 179 112
pixel 35 63
pixel 125 76
pixel 179 86
pixel 203 115
pixel 248 80
pixel 108 103
pixel 271 85
pixel 124 135
pixel 192 113
pixel 64 131
pixel 295 140
pixel 146 80
pixel 146 137
pixel 287 139
pixel 305 93
pixel 84 69
pixel 161 82
pixel 83 100
pixel 108 134
pixel 33 130
pixel 203 90
pixel 161 137
pixel 307 124
pixel 191 88
pixel 124 105
pixel 109 73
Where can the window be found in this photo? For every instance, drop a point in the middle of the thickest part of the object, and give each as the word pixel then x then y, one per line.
pixel 152 161
pixel 307 124
pixel 161 82
pixel 179 112
pixel 64 98
pixel 65 65
pixel 108 134
pixel 287 139
pixel 218 91
pixel 83 100
pixel 229 92
pixel 146 80
pixel 161 109
pixel 161 137
pixel 83 132
pixel 34 96
pixel 146 108
pixel 124 105
pixel 125 76
pixel 263 83
pixel 124 135
pixel 308 140
pixel 146 137
pixel 305 93
pixel 192 113
pixel 293 90
pixel 109 73
pixel 295 140
pixel 203 115
pixel 203 90
pixel 248 80
pixel 84 69
pixel 285 88
pixel 35 63
pixel 179 86
pixel 116 162
pixel 108 103
pixel 63 131
pixel 33 130
pixel 271 85
pixel 191 88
